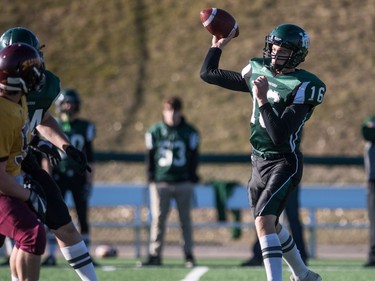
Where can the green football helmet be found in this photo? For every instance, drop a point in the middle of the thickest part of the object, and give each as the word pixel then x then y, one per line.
pixel 68 95
pixel 20 35
pixel 289 36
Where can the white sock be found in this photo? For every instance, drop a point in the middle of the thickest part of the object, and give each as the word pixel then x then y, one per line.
pixel 291 254
pixel 14 278
pixel 272 256
pixel 79 258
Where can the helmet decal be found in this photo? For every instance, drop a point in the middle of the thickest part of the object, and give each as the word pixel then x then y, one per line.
pixel 305 40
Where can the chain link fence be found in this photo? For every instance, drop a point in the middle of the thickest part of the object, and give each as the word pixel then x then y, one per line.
pixel 134 172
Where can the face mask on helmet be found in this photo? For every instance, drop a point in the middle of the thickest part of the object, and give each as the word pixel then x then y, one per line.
pixel 21 69
pixel 291 37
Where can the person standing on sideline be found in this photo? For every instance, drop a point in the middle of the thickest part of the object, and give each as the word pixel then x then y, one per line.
pixel 171 161
pixel 292 213
pixel 58 218
pixel 368 133
pixel 284 98
pixel 22 208
pixel 67 173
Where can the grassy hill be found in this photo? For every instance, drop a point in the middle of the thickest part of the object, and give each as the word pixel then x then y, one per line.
pixel 125 56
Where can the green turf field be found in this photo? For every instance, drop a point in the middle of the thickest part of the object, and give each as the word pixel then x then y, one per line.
pixel 212 269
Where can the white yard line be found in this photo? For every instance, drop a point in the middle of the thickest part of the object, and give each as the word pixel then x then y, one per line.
pixel 196 273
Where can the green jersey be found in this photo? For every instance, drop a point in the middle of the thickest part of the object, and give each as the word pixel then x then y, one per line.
pixel 299 87
pixel 368 133
pixel 81 134
pixel 38 102
pixel 173 150
pixel 368 128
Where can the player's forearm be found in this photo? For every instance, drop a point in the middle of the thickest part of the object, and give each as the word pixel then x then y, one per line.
pixel 280 128
pixel 51 131
pixel 90 175
pixel 193 165
pixel 45 165
pixel 150 165
pixel 368 131
pixel 211 73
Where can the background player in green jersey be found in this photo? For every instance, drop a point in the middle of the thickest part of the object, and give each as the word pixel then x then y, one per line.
pixel 368 134
pixel 68 174
pixel 58 218
pixel 284 98
pixel 172 159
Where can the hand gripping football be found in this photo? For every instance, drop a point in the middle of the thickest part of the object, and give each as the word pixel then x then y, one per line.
pixel 218 22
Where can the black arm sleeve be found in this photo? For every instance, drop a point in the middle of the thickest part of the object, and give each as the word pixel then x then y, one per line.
pixel 193 165
pixel 280 128
pixel 150 165
pixel 211 73
pixel 89 152
pixel 368 133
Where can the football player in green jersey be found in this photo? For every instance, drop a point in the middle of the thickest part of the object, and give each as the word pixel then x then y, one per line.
pixel 368 134
pixel 67 173
pixel 284 98
pixel 58 218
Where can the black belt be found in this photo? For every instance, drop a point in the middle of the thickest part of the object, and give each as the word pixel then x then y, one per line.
pixel 268 155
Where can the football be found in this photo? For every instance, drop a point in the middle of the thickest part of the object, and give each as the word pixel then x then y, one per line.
pixel 105 251
pixel 219 22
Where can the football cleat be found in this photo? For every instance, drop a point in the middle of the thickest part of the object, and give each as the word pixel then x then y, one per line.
pixel 311 276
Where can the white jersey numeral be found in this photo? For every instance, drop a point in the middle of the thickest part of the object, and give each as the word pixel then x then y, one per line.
pixel 167 158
